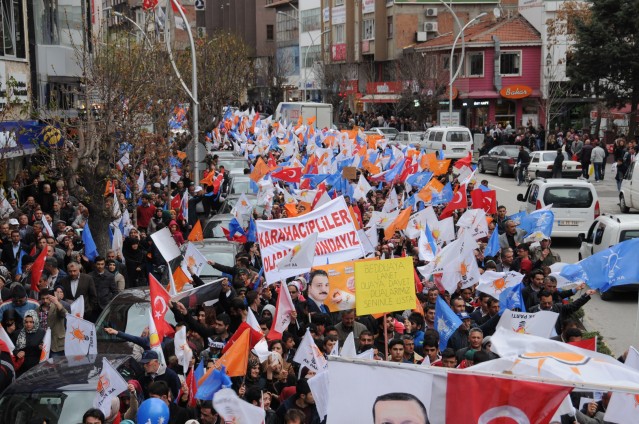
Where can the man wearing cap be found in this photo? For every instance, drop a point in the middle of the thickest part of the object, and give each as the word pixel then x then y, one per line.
pixel 152 372
pixel 542 255
pixel 19 303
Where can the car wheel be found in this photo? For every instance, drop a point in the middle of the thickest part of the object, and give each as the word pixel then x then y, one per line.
pixel 622 204
pixel 480 167
pixel 500 170
pixel 606 296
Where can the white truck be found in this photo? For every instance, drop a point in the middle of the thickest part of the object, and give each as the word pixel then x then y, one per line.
pixel 291 112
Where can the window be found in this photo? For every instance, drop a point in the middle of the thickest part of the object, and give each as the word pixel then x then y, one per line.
pixel 568 197
pixel 286 26
pixel 368 29
pixel 628 234
pixel 339 34
pixel 270 32
pixel 475 64
pixel 534 192
pixel 338 2
pixel 311 19
pixel 389 26
pixel 599 233
pixel 509 63
pixel 13 36
pixel 310 55
pixel 446 60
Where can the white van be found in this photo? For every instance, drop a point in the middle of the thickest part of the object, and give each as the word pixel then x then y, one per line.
pixel 456 142
pixel 629 194
pixel 291 112
pixel 574 202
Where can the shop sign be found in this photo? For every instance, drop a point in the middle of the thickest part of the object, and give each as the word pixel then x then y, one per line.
pixel 516 91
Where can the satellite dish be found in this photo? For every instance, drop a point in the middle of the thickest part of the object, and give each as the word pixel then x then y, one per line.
pixel 497 12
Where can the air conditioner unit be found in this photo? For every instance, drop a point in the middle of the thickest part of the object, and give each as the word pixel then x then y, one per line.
pixel 421 37
pixel 430 26
pixel 431 11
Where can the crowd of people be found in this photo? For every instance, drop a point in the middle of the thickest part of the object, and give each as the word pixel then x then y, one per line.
pixel 44 215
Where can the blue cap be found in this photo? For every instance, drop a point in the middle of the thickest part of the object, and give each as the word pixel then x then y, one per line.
pixel 463 315
pixel 148 356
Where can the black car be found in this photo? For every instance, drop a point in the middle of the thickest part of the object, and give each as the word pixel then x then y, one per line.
pixel 500 159
pixel 60 389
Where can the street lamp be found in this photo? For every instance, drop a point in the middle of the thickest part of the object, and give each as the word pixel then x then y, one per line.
pixel 123 16
pixel 305 57
pixel 452 54
pixel 548 102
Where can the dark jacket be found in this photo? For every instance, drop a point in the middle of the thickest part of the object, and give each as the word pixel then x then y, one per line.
pixel 105 287
pixel 564 311
pixel 86 288
pixel 169 376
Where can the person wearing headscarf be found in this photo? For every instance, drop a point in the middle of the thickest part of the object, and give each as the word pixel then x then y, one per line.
pixel 176 233
pixel 135 259
pixel 29 343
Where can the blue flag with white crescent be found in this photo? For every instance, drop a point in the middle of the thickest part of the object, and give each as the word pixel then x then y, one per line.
pixel 443 197
pixel 512 299
pixel 216 380
pixel 616 266
pixel 446 322
pixel 419 179
pixel 90 249
pixel 492 248
pixel 540 220
pixel 517 217
pixel 394 173
pixel 251 232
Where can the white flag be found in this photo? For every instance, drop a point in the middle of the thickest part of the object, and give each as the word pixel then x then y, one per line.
pixel 382 219
pixel 235 410
pixel 309 355
pixel 80 338
pixel 392 202
pixel 493 283
pixel 117 242
pixel 183 352
pixel 473 221
pixel 77 307
pixel 156 345
pixel 166 244
pixel 349 350
pixel 362 188
pixel 252 321
pixel 417 222
pixel 335 350
pixel 6 339
pixel 301 256
pixel 141 181
pixel 110 385
pixel 46 346
pixel 193 259
pixel 624 407
pixel 443 231
pixel 5 208
pixel 242 209
pixel 538 324
pixel 319 387
pixel 47 227
pixel 427 250
pixel 283 310
pixel 369 248
pixel 261 350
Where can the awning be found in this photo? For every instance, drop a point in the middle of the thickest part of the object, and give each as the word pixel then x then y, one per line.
pixel 381 98
pixel 21 138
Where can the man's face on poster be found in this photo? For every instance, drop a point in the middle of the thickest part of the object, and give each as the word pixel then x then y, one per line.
pixel 318 288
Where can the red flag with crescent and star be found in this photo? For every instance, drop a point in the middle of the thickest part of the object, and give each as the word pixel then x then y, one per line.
pixel 486 200
pixel 288 174
pixel 459 202
pixel 160 299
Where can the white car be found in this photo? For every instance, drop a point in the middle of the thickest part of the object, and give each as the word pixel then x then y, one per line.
pixel 387 132
pixel 574 202
pixel 410 137
pixel 541 165
pixel 455 142
pixel 629 194
pixel 606 231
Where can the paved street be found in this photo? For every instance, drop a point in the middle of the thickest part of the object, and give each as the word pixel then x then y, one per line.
pixel 616 319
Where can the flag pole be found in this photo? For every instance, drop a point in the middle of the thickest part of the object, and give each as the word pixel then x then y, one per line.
pixel 385 338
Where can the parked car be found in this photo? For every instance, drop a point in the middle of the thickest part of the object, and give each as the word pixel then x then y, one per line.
pixel 235 166
pixel 60 389
pixel 541 165
pixel 410 137
pixel 388 132
pixel 629 194
pixel 574 202
pixel 500 159
pixel 606 231
pixel 455 142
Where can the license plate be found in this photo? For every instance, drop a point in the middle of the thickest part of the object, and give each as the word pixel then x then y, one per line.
pixel 569 223
pixel 458 150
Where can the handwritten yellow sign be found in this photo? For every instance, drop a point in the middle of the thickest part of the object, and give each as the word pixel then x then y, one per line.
pixel 384 286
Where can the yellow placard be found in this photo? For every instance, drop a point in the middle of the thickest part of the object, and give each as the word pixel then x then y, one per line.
pixel 341 280
pixel 384 286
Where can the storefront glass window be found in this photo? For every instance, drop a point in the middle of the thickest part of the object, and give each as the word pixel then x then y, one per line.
pixel 505 113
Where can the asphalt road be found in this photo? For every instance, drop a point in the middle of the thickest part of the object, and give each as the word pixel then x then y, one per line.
pixel 617 320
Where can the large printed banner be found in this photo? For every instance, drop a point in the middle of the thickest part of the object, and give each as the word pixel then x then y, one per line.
pixel 341 282
pixel 337 238
pixel 540 323
pixel 384 286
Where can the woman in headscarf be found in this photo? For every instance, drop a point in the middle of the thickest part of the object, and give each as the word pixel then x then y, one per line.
pixel 176 233
pixel 135 259
pixel 29 343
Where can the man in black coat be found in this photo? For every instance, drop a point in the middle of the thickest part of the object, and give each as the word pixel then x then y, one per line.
pixel 104 282
pixel 75 285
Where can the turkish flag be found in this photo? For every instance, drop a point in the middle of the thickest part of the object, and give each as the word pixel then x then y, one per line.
pixel 410 168
pixel 486 200
pixel 590 344
pixel 464 161
pixel 288 174
pixel 36 270
pixel 460 201
pixel 499 400
pixel 176 202
pixel 159 305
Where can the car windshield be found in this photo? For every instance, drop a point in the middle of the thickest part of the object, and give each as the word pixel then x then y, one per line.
pixel 628 234
pixel 232 164
pixel 457 136
pixel 58 407
pixel 130 314
pixel 224 258
pixel 568 197
pixel 240 187
pixel 550 156
pixel 389 131
pixel 416 137
pixel 214 229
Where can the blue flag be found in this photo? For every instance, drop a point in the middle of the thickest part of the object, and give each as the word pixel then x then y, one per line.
pixel 257 280
pixel 420 179
pixel 391 175
pixel 235 227
pixel 315 179
pixel 538 221
pixel 251 232
pixel 216 381
pixel 443 197
pixel 492 248
pixel 616 266
pixel 446 322
pixel 431 240
pixel 518 217
pixel 198 372
pixel 19 267
pixel 90 249
pixel 511 298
